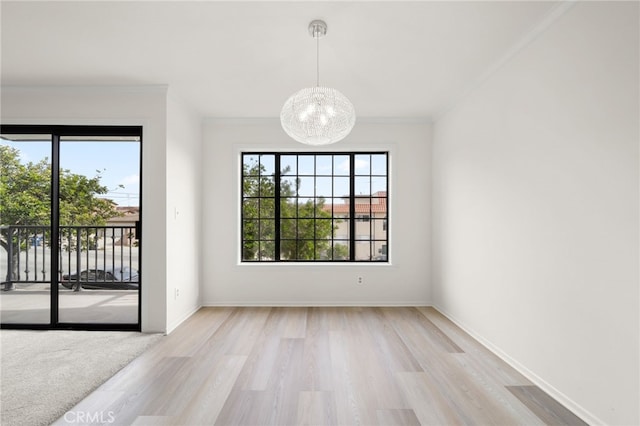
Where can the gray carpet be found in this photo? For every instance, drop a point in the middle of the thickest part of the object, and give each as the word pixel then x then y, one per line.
pixel 45 373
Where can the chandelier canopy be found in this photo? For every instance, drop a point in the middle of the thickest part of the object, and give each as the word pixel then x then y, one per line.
pixel 317 115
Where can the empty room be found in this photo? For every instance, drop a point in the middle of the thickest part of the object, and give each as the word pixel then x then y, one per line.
pixel 315 212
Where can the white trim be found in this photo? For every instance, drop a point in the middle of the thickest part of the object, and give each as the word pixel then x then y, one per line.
pixel 563 399
pixel 151 88
pixel 316 304
pixel 144 122
pixel 175 324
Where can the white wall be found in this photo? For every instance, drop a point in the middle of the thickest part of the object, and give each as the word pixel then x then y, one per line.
pixel 536 211
pixel 184 185
pixel 144 106
pixel 405 281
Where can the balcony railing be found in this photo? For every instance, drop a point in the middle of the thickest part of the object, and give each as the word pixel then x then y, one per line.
pixel 88 256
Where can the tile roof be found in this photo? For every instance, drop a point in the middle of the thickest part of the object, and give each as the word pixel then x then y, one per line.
pixel 378 205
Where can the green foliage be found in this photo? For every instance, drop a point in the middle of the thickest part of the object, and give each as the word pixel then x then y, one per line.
pixel 24 190
pixel 25 195
pixel 305 227
pixel 340 251
pixel 78 202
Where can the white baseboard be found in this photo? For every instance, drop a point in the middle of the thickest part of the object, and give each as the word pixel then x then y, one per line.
pixel 563 399
pixel 305 304
pixel 175 324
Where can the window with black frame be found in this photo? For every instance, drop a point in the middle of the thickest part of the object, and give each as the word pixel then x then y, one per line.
pixel 314 207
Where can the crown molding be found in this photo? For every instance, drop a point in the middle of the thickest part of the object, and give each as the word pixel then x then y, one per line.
pixel 151 88
pixel 529 37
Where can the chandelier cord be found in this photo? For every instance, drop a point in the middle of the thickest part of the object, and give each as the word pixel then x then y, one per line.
pixel 317 36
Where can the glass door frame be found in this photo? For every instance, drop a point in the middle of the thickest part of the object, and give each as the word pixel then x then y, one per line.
pixel 57 132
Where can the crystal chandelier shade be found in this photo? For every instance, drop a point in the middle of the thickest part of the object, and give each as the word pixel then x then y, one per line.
pixel 317 115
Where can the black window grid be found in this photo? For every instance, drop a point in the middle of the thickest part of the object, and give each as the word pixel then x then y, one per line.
pixel 282 234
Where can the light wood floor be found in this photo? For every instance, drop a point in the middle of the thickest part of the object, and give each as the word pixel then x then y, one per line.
pixel 319 366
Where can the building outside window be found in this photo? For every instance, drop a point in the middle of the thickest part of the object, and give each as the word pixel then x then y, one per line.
pixel 362 218
pixel 329 207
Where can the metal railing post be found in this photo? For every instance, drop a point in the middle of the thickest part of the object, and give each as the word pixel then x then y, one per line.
pixel 9 284
pixel 78 286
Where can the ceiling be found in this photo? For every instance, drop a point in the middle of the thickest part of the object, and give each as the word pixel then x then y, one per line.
pixel 244 59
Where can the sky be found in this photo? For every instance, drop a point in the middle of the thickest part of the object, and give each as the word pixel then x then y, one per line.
pixel 118 161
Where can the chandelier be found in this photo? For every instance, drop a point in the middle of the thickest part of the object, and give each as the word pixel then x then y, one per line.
pixel 317 115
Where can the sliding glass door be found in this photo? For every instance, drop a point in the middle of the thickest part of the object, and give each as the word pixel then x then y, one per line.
pixel 99 248
pixel 70 203
pixel 25 227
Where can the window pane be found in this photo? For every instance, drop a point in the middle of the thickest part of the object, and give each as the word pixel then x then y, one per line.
pixel 363 250
pixel 267 250
pixel 324 165
pixel 341 187
pixel 306 208
pixel 379 164
pixel 340 208
pixel 340 250
pixel 267 229
pixel 341 165
pixel 378 184
pixel 323 250
pixel 322 209
pixel 288 207
pixel 288 165
pixel 250 207
pixel 378 207
pixel 267 187
pixel 306 164
pixel 363 226
pixel 379 250
pixel 324 187
pixel 363 165
pixel 288 228
pixel 250 186
pixel 324 229
pixel 250 165
pixel 305 250
pixel 267 208
pixel 306 229
pixel 250 229
pixel 250 250
pixel 306 188
pixel 379 229
pixel 341 230
pixel 267 163
pixel 287 249
pixel 362 185
pixel 288 186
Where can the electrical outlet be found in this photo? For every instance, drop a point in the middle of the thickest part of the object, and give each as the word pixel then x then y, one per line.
pixel 360 280
pixel 177 293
